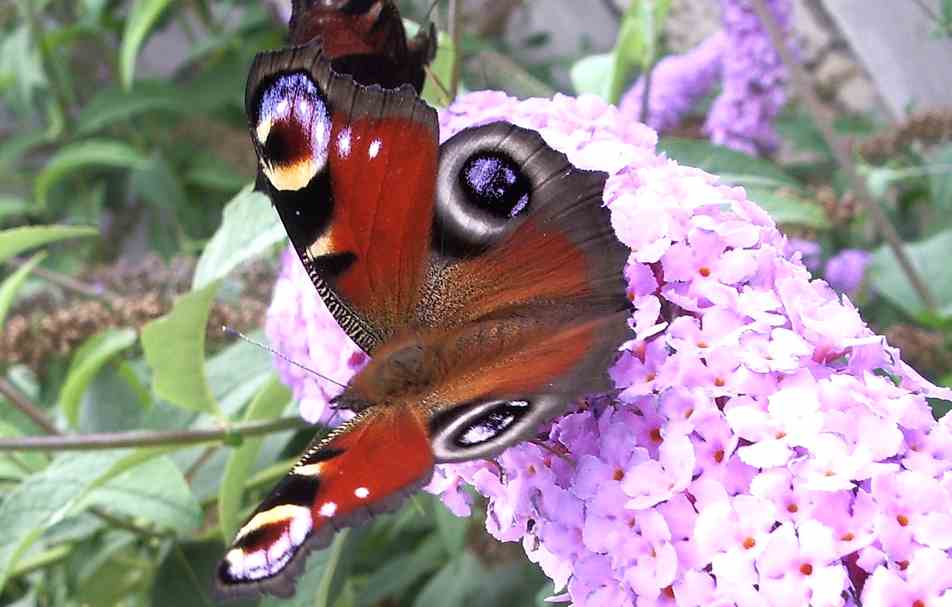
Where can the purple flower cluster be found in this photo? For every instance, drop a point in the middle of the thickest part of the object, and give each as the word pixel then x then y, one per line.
pixel 754 79
pixel 810 252
pixel 764 446
pixel 753 76
pixel 845 270
pixel 299 325
pixel 678 82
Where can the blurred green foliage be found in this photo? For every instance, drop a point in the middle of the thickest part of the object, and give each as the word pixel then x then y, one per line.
pixel 146 146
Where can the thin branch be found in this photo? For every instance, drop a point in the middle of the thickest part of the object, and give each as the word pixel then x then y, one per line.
pixel 21 402
pixel 435 79
pixel 198 586
pixel 61 94
pixel 805 90
pixel 496 17
pixel 202 459
pixel 931 14
pixel 127 525
pixel 646 96
pixel 455 19
pixel 503 72
pixel 612 8
pixel 42 560
pixel 265 477
pixel 67 282
pixel 120 440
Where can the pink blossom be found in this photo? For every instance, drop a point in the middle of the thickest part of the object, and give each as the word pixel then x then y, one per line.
pixel 763 446
pixel 299 325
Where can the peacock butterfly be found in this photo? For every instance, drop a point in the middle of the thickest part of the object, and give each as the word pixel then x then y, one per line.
pixel 365 39
pixel 482 275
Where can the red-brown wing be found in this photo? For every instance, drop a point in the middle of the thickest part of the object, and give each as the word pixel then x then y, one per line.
pixel 364 468
pixel 351 171
pixel 486 385
pixel 522 231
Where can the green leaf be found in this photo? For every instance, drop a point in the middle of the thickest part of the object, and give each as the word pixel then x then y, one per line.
pixel 637 44
pixel 440 73
pixel 269 403
pixel 183 576
pixel 451 586
pixel 208 171
pixel 114 105
pixel 11 285
pixel 593 75
pixel 315 587
pixel 13 205
pixel 56 493
pixel 398 574
pixel 156 182
pixel 17 240
pixel 941 184
pixel 13 148
pixel 731 166
pixel 790 209
pixel 931 258
pixel 249 227
pixel 452 529
pixel 86 363
pixel 141 20
pixel 82 155
pixel 174 347
pixel 547 590
pixel 155 492
pixel 238 372
pixel 98 582
pixel 18 465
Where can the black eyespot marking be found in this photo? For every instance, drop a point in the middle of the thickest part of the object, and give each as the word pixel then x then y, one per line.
pixel 306 213
pixel 321 455
pixel 293 490
pixel 487 182
pixel 494 182
pixel 292 127
pixel 490 424
pixel 334 264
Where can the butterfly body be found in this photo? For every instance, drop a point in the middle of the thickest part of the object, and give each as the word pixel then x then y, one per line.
pixel 366 39
pixel 481 275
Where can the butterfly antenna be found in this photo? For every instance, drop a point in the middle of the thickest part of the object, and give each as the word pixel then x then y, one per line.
pixel 233 333
pixel 447 96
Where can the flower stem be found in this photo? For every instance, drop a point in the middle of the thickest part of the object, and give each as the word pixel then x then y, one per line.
pixel 62 95
pixel 805 91
pixel 21 402
pixel 43 559
pixel 66 282
pixel 455 19
pixel 120 440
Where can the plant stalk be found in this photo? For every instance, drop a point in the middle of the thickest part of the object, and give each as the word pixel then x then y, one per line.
pixel 805 90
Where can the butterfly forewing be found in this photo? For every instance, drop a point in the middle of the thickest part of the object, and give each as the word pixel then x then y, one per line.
pixel 359 212
pixel 483 275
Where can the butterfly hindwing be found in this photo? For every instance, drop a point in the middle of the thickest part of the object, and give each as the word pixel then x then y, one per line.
pixel 522 229
pixel 364 468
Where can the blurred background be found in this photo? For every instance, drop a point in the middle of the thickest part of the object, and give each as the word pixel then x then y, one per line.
pixel 126 229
